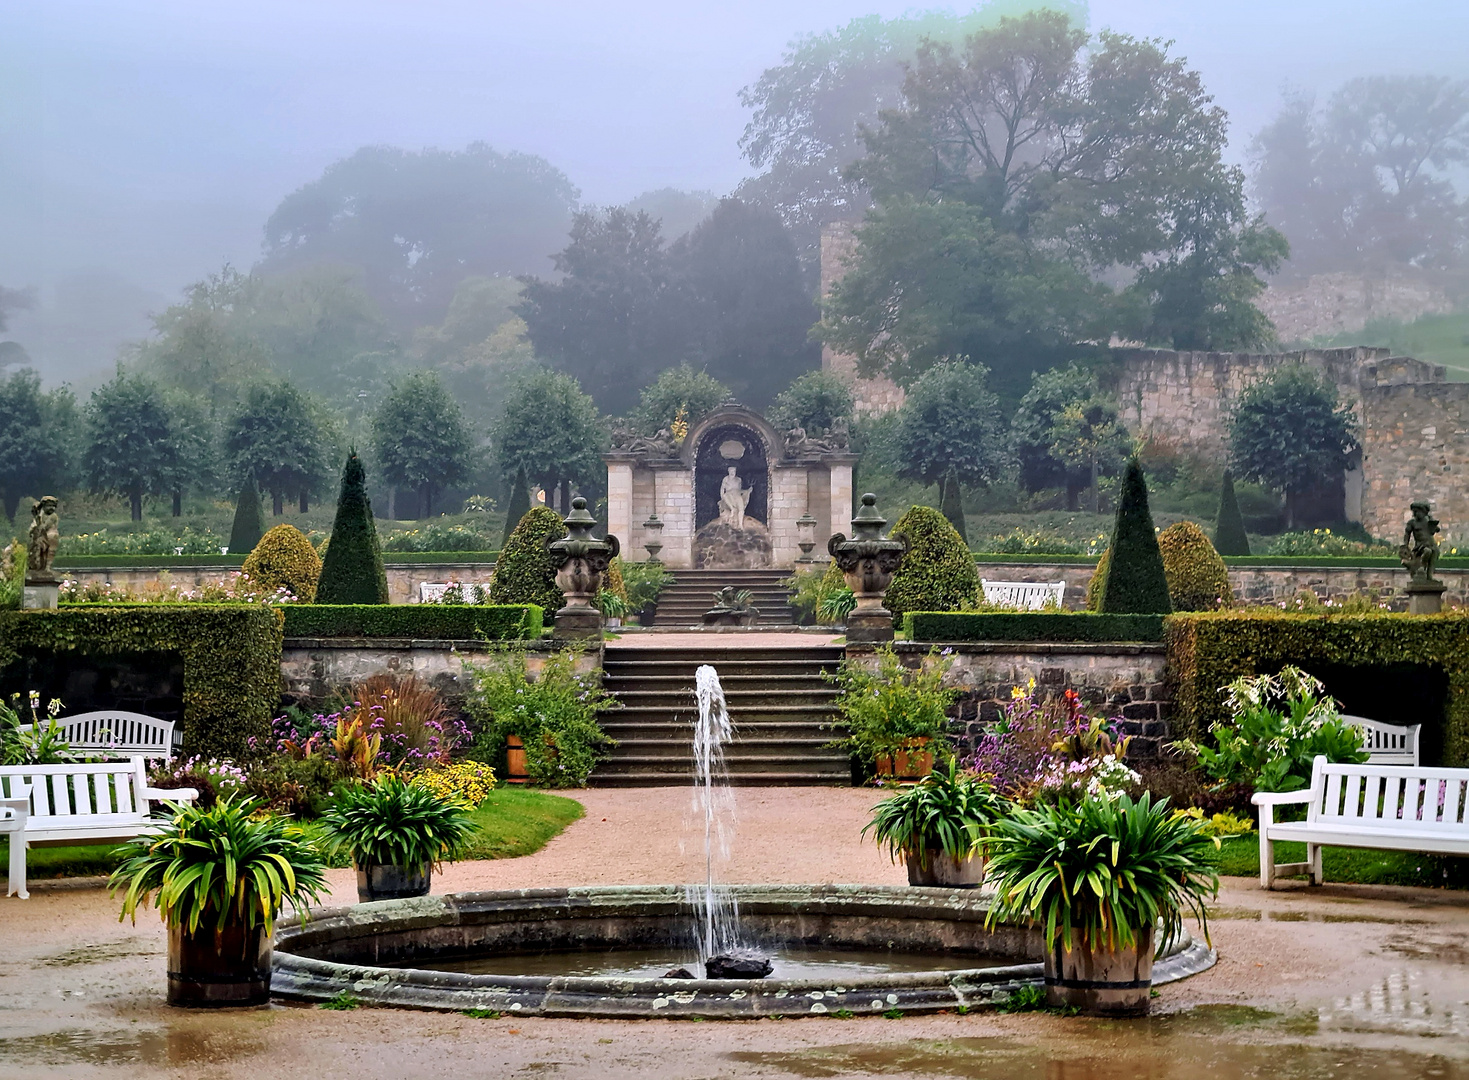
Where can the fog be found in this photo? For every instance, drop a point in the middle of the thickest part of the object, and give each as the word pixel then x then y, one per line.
pixel 144 144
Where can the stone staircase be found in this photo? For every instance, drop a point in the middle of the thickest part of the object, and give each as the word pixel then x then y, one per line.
pixel 778 700
pixel 683 603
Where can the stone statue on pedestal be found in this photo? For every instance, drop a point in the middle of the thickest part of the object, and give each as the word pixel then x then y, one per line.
pixel 734 497
pixel 1419 550
pixel 45 537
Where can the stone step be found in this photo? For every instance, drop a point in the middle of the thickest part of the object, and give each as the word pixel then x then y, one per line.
pixel 680 730
pixel 805 748
pixel 738 701
pixel 685 779
pixel 764 764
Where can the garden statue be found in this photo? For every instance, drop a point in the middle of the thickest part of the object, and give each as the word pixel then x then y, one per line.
pixel 1419 553
pixel 732 607
pixel 733 498
pixel 660 445
pixel 42 586
pixel 581 560
pixel 868 561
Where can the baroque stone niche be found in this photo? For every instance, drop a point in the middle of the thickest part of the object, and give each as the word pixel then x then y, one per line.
pixel 730 494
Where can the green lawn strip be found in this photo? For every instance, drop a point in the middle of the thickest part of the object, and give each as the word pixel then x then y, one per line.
pixel 511 822
pixel 1239 856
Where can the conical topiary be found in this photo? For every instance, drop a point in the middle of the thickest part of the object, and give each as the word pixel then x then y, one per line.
pixel 249 524
pixel 524 572
pixel 1135 583
pixel 518 506
pixel 1197 579
pixel 1229 528
pixel 952 503
pixel 285 559
pixel 938 573
pixel 352 572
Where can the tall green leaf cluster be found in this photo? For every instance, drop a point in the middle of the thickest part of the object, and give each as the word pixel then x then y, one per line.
pixel 948 812
pixel 1101 873
pixel 390 822
pixel 221 866
pixel 884 707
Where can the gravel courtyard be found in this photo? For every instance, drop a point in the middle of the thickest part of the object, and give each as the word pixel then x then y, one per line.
pixel 1342 980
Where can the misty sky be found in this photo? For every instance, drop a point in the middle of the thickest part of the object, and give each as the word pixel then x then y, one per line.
pixel 144 143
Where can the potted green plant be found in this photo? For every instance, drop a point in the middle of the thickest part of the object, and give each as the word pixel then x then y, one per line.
pixel 396 833
pixel 896 718
pixel 937 827
pixel 1101 878
pixel 219 877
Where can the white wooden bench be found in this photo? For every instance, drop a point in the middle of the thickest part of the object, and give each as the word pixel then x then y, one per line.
pixel 1387 807
pixel 431 592
pixel 13 814
pixel 1387 744
pixel 119 734
pixel 1024 595
pixel 80 803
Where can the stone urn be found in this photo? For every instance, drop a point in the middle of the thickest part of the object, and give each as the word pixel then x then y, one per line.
pixel 868 561
pixel 581 559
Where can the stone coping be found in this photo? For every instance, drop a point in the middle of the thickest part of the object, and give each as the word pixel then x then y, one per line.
pixel 922 917
pixel 430 644
pixel 1047 648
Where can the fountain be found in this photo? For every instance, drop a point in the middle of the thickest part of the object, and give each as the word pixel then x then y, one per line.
pixel 631 951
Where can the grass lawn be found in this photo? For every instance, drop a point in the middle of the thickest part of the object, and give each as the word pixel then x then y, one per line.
pixel 511 822
pixel 1240 857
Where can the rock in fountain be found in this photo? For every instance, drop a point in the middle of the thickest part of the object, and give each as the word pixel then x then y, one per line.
pixel 738 964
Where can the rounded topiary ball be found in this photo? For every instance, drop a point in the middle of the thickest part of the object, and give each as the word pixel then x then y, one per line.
pixel 1197 578
pixel 938 573
pixel 524 573
pixel 284 558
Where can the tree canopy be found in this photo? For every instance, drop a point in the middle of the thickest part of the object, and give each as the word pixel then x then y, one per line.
pixel 130 442
pixel 815 401
pixel 951 422
pixel 278 435
pixel 37 439
pixel 683 392
pixel 551 430
pixel 420 439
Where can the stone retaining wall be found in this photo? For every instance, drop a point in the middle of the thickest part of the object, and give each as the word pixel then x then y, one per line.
pixel 403 578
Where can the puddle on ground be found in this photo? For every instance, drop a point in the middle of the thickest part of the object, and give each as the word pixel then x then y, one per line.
pixel 1244 914
pixel 101 952
pixel 146 1047
pixel 1403 1002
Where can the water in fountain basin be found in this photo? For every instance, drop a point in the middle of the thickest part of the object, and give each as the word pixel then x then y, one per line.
pixel 716 913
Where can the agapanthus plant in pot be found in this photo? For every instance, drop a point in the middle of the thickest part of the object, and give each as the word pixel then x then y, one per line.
pixel 938 826
pixel 1102 879
pixel 895 717
pixel 219 876
pixel 396 832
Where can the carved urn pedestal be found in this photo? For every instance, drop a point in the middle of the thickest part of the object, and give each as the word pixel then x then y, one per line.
pixel 41 591
pixel 581 560
pixel 1425 597
pixel 868 561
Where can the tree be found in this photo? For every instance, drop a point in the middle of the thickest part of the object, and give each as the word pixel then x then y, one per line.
pixel 1288 434
pixel 1135 581
pixel 681 394
pixel 249 523
pixel 675 211
pixel 551 430
pixel 754 314
pixel 951 421
pixel 1229 525
pixel 37 438
pixel 815 401
pixel 1032 432
pixel 938 573
pixel 518 506
pixel 193 438
pixel 1019 169
pixel 808 112
pixel 130 442
pixel 1197 577
pixel 276 436
pixel 618 314
pixel 951 503
pixel 420 438
pixel 1367 182
pixel 1088 436
pixel 352 571
pixel 417 224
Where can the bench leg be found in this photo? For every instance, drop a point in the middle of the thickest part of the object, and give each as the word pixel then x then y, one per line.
pixel 1267 861
pixel 17 868
pixel 1313 859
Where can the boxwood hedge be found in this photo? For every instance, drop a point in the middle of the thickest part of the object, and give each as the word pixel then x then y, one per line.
pixel 1030 626
pixel 231 658
pixel 498 622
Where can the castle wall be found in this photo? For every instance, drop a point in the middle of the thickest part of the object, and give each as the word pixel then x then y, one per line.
pixel 1415 445
pixel 879 395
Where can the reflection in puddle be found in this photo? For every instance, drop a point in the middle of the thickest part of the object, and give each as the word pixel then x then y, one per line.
pixel 1244 914
pixel 1403 1002
pixel 151 1047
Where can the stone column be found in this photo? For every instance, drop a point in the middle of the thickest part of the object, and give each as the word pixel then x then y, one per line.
pixel 841 492
pixel 619 499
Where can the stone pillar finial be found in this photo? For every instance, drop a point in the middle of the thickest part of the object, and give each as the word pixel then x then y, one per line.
pixel 868 561
pixel 581 560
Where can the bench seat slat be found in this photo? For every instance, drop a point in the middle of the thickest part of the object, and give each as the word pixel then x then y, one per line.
pixel 1395 839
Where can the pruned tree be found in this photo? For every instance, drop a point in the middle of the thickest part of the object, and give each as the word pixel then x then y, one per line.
pixel 815 401
pixel 130 442
pixel 37 439
pixel 551 430
pixel 277 434
pixel 420 439
pixel 682 393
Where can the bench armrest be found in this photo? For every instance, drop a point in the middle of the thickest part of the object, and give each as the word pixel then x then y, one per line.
pixel 182 794
pixel 1280 798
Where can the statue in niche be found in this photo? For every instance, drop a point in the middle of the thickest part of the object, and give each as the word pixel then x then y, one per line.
pixel 799 444
pixel 1419 550
pixel 45 538
pixel 733 498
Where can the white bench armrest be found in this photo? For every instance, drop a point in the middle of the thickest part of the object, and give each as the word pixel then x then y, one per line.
pixel 1280 798
pixel 182 794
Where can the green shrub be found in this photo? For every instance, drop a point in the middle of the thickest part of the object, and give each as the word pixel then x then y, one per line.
pixel 554 714
pixel 949 812
pixel 1325 542
pixel 392 822
pixel 285 559
pixel 1197 579
pixel 1229 524
pixel 946 626
pixel 518 506
pixel 1134 582
pixel 249 524
pixel 1277 726
pixel 1020 542
pixel 497 622
pixel 231 657
pixel 643 581
pixel 352 572
pixel 1098 579
pixel 938 573
pixel 150 542
pixel 12 575
pixel 1209 650
pixel 885 707
pixel 438 537
pixel 525 573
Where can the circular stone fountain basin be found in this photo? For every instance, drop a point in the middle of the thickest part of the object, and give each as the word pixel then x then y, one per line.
pixel 369 951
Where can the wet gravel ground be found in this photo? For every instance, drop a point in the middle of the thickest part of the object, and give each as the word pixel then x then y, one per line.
pixel 1337 981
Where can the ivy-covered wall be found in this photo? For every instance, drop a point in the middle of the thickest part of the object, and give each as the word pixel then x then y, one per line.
pixel 231 656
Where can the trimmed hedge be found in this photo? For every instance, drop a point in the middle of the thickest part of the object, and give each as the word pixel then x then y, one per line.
pixel 1030 626
pixel 525 573
pixel 937 573
pixel 1197 577
pixel 1134 582
pixel 352 571
pixel 182 562
pixel 231 656
pixel 498 622
pixel 284 558
pixel 1209 650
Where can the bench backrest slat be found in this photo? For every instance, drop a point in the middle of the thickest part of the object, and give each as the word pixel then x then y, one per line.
pixel 90 790
pixel 1390 796
pixel 1387 744
pixel 121 732
pixel 1025 595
